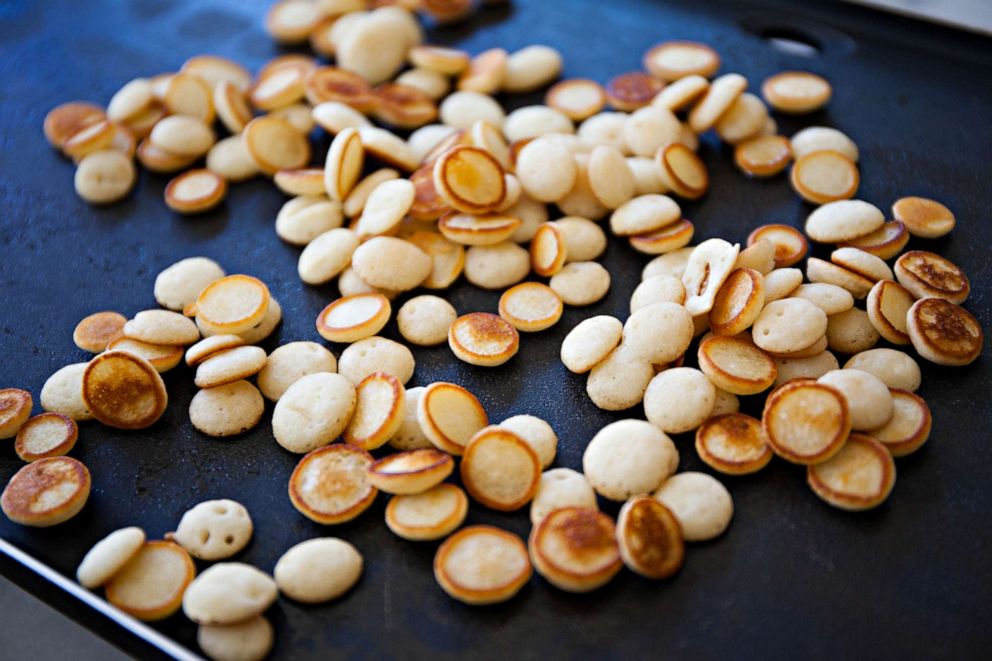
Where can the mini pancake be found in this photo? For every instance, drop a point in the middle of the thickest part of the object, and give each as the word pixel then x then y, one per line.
pixel 482 565
pixel 214 529
pixel 91 139
pixel 279 89
pixel 796 92
pixel 806 422
pixel 450 416
pixel 385 208
pixel 447 61
pixel 894 368
pixel 780 283
pixel 548 250
pixel 162 327
pixel 665 239
pixel 908 428
pixel 226 410
pixel 581 283
pixel 108 556
pixel 708 266
pixel 46 435
pixel 805 368
pixel 531 307
pixel 683 171
pixel 863 263
pixel 379 411
pixel 619 381
pixel 789 325
pixel 733 443
pixel 644 214
pixel 658 333
pixel 183 135
pixel 672 60
pixel 291 362
pixel 231 106
pixel 923 217
pixel 232 304
pixel 425 320
pixel 303 181
pixel 819 138
pixel 124 391
pixel 352 318
pixel 179 285
pixel 208 346
pixel 162 357
pixel 700 503
pixel 188 94
pixel 887 305
pixel 150 586
pixel 250 640
pixel 832 299
pixel 759 256
pixel 158 160
pixel 330 485
pixel 561 487
pixel 485 73
pixel 313 411
pixel 546 168
pixel 411 472
pixel 336 85
pixel 628 457
pixel 499 469
pixel 859 477
pixel 721 94
pixel 318 570
pixel 429 515
pixel 736 365
pixel 659 289
pixel 343 165
pixel 376 354
pixel 579 98
pixel 843 220
pixel 790 244
pixel 326 255
pixel 354 203
pixel 229 366
pixel 403 106
pixel 477 230
pixel 15 409
pixel 944 333
pixel 389 263
pixel 886 242
pixel 485 135
pixel 825 176
pixel 469 179
pixel 427 202
pixel 590 342
pixel 744 119
pixel 483 339
pixel 63 392
pixel 633 90
pixel 649 538
pixel 46 492
pixel 275 144
pixel 104 176
pixel 819 270
pixel 575 549
pixel 738 302
pixel 94 332
pixel 851 332
pixel 763 155
pixel 66 120
pixel 228 593
pixel 928 275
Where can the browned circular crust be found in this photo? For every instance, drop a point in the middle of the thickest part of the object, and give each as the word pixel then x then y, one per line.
pixel 334 84
pixel 33 480
pixel 650 537
pixel 658 69
pixel 738 302
pixel 927 274
pixel 169 607
pixel 910 442
pixel 430 427
pixel 403 106
pixel 477 229
pixel 484 328
pixel 66 120
pixel 548 239
pixel 347 333
pixel 665 239
pixel 875 306
pixel 764 155
pixel 583 534
pixel 851 501
pixel 835 423
pixel 379 436
pixel 923 217
pixel 70 431
pixel 785 254
pixel 728 375
pixel 531 324
pixel 452 165
pixel 427 202
pixel 469 479
pixel 299 146
pixel 435 467
pixel 553 98
pixel 424 533
pixel 94 332
pixel 820 197
pixel 795 104
pixel 333 478
pixel 124 391
pixel 743 436
pixel 633 90
pixel 885 242
pixel 236 325
pixel 15 409
pixel 200 204
pixel 944 333
pixel 674 161
pixel 477 596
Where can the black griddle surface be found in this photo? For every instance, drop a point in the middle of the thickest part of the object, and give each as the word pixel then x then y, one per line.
pixel 791 578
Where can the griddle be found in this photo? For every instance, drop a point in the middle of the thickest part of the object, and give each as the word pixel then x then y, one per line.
pixel 792 577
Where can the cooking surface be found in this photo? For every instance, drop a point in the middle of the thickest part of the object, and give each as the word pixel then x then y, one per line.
pixel 791 576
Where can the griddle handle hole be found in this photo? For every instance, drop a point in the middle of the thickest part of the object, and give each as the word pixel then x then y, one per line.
pixel 791 41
